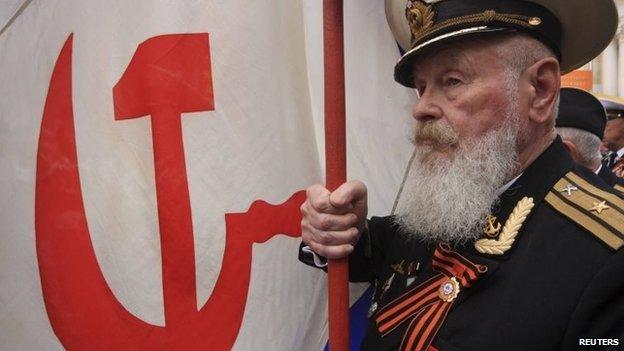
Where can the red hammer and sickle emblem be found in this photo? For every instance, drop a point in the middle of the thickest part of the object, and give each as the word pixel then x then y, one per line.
pixel 168 75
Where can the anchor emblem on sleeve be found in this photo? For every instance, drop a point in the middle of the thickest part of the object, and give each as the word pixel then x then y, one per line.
pixel 492 227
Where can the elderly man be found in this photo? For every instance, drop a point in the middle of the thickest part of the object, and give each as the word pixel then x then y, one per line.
pixel 501 242
pixel 613 141
pixel 581 124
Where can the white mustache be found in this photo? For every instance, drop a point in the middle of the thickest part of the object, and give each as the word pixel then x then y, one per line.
pixel 438 132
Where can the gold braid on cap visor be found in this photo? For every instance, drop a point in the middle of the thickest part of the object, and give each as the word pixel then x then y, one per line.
pixel 421 25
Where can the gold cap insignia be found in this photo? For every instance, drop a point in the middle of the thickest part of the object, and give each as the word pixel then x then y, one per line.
pixel 449 289
pixel 419 16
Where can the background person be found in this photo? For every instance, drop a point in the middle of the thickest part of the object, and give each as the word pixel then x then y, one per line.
pixel 581 124
pixel 613 142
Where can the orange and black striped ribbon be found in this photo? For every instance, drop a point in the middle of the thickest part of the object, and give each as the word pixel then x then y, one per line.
pixel 422 306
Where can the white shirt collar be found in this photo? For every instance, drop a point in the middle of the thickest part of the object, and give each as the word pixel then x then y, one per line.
pixel 620 152
pixel 598 170
pixel 503 188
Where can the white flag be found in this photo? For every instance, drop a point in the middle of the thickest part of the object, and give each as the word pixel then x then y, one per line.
pixel 152 157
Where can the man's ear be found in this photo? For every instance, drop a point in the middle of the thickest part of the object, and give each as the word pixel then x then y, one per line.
pixel 544 78
pixel 572 149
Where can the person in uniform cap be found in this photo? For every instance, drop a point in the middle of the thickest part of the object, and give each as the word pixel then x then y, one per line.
pixel 613 142
pixel 500 241
pixel 581 124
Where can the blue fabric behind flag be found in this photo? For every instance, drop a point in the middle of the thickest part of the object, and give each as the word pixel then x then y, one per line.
pixel 358 320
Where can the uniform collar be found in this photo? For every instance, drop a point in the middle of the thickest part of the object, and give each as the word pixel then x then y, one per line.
pixel 535 182
pixel 504 188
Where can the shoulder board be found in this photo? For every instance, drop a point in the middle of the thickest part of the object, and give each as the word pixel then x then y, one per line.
pixel 619 188
pixel 600 212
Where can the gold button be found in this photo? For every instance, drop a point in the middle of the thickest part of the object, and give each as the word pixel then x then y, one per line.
pixel 535 21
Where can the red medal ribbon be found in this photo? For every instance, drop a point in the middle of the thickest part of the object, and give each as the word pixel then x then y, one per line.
pixel 425 306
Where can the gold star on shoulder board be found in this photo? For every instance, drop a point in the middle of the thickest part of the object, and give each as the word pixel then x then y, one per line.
pixel 599 206
pixel 599 212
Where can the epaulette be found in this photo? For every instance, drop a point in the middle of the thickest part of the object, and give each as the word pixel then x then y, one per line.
pixel 598 211
pixel 619 188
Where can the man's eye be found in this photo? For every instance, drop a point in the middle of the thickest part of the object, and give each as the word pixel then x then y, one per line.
pixel 453 82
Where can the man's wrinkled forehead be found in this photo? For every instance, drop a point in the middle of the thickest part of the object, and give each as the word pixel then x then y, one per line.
pixel 445 57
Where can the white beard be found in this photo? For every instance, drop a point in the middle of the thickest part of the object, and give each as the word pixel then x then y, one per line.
pixel 448 199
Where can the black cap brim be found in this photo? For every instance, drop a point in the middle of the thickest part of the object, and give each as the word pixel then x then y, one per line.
pixel 587 27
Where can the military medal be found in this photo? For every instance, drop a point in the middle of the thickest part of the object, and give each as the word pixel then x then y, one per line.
pixel 386 286
pixel 398 267
pixel 372 308
pixel 412 268
pixel 449 289
pixel 423 308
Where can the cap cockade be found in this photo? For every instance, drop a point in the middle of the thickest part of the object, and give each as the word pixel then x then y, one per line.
pixel 420 18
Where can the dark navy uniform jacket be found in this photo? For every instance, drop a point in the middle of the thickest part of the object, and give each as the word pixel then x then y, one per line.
pixel 611 179
pixel 561 281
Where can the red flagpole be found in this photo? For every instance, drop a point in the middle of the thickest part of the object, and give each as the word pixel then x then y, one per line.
pixel 336 163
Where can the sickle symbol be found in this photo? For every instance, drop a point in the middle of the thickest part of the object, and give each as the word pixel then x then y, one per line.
pixel 83 312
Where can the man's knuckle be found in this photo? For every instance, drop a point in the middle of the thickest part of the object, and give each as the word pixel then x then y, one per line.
pixel 315 246
pixel 352 219
pixel 325 221
pixel 319 203
pixel 353 232
pixel 326 237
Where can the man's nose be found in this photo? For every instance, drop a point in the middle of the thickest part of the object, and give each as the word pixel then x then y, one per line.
pixel 426 108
